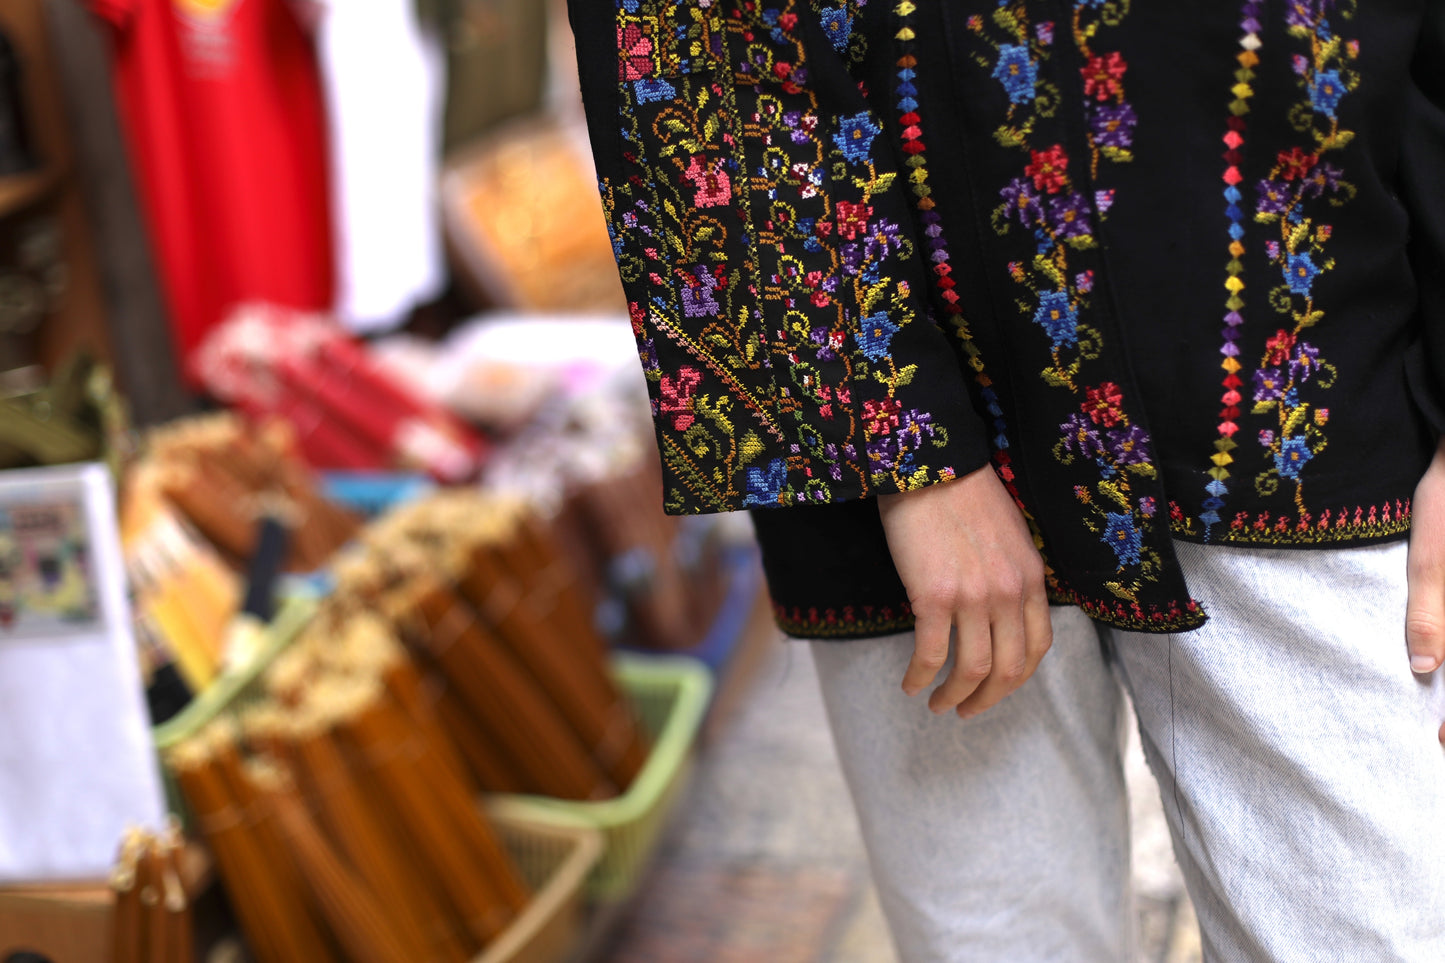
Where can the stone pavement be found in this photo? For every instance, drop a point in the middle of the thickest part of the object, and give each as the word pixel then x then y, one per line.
pixel 764 864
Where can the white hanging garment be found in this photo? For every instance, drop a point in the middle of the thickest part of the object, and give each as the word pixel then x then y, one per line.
pixel 385 84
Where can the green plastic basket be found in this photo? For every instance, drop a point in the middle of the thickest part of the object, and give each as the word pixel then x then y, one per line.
pixel 670 694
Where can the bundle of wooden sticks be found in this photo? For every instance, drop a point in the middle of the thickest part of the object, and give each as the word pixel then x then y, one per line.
pixel 341 819
pixel 493 614
pixel 152 922
pixel 223 475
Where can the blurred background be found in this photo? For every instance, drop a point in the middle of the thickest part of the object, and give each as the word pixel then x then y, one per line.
pixel 339 616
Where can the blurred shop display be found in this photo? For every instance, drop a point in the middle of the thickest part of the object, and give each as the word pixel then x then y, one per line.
pixel 384 89
pixel 17 149
pixel 79 766
pixel 51 306
pixel 486 597
pixel 345 410
pixel 74 415
pixel 195 514
pixel 523 217
pixel 496 62
pixel 222 106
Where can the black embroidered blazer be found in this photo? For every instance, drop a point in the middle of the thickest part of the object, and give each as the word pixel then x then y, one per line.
pixel 1174 267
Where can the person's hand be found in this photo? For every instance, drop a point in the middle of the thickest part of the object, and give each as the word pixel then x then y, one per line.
pixel 1425 612
pixel 966 558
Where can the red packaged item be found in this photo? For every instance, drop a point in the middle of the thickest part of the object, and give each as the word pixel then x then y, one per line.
pixel 347 412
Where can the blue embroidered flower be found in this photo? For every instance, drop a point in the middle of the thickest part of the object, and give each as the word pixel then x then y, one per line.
pixel 1300 273
pixel 1293 454
pixel 1326 91
pixel 855 136
pixel 876 336
pixel 837 26
pixel 765 486
pixel 1113 124
pixel 1058 318
pixel 1017 72
pixel 1123 537
pixel 1069 216
pixel 653 90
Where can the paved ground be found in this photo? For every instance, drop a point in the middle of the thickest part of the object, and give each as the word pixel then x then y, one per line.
pixel 766 865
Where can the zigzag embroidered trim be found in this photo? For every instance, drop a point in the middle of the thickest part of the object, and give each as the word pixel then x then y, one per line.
pixel 839 623
pixel 911 125
pixel 1248 59
pixel 1137 618
pixel 1362 524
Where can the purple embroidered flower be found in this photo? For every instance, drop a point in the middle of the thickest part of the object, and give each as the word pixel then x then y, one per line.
pixel 1129 446
pixel 1326 91
pixel 1266 437
pixel 1293 454
pixel 1045 32
pixel 1147 506
pixel 1300 64
pixel 765 485
pixel 1017 72
pixel 1322 178
pixel 1305 363
pixel 1058 317
pixel 882 240
pixel 1113 124
pixel 1081 437
pixel 1274 197
pixel 1300 272
pixel 855 136
pixel 1069 216
pixel 1084 282
pixel 1021 199
pixel 1269 384
pixel 875 336
pixel 1123 537
pixel 1307 13
pixel 697 299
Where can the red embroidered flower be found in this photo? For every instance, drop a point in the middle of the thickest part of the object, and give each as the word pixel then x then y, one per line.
pixel 1102 404
pixel 677 397
pixel 853 219
pixel 713 187
pixel 1277 349
pixel 636 48
pixel 1295 164
pixel 638 316
pixel 881 416
pixel 1102 76
pixel 1049 169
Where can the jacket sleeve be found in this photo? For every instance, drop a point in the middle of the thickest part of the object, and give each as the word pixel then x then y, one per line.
pixel 1422 181
pixel 763 233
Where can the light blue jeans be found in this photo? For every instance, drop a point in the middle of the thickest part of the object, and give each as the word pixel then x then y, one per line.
pixel 1297 757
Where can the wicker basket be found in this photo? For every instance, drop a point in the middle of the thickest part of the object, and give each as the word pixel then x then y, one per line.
pixel 671 696
pixel 555 861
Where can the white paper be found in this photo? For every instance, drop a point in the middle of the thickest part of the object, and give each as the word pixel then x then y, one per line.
pixel 77 763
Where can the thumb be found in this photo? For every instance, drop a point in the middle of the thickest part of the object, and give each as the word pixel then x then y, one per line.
pixel 1425 615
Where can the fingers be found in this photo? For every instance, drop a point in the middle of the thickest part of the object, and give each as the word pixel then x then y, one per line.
pixel 974 663
pixel 1009 665
pixel 1425 612
pixel 1020 640
pixel 930 650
